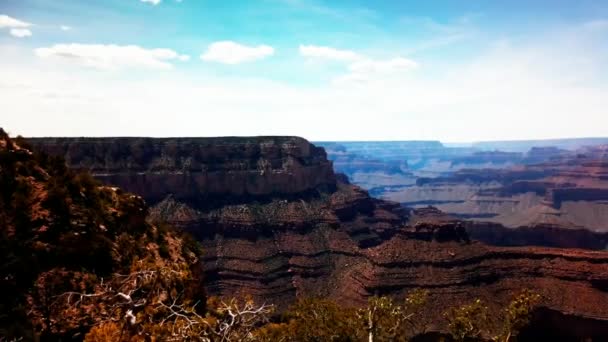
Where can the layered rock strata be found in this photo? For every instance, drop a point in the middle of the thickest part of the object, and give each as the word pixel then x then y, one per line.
pixel 569 192
pixel 330 238
pixel 199 169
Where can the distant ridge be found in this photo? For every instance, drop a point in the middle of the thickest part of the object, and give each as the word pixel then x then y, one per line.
pixel 525 145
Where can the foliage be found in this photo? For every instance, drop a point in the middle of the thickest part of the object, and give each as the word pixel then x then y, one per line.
pixel 61 232
pixel 517 314
pixel 386 320
pixel 107 331
pixel 323 320
pixel 314 319
pixel 471 322
pixel 234 320
pixel 467 323
pixel 178 320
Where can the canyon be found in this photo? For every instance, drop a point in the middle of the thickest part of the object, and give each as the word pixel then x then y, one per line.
pixel 569 191
pixel 276 223
pixel 551 195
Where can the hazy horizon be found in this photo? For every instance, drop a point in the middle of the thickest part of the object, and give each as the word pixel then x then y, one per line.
pixel 453 71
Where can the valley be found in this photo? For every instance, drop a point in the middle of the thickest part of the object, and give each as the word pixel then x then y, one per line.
pixel 548 187
pixel 276 223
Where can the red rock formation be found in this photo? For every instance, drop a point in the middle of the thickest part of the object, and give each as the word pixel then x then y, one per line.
pixel 198 168
pixel 570 192
pixel 340 243
pixel 369 253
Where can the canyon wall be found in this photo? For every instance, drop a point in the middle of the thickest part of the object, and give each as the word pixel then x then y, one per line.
pixel 293 228
pixel 387 167
pixel 512 193
pixel 570 192
pixel 198 169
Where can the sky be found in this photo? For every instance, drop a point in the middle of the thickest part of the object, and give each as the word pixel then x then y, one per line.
pixel 455 71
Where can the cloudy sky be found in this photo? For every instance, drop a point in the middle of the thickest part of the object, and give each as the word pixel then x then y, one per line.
pixel 451 70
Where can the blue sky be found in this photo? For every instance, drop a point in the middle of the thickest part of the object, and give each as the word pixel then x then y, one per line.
pixel 325 70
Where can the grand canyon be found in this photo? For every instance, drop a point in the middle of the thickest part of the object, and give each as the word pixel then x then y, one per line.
pixel 550 193
pixel 276 222
pixel 303 171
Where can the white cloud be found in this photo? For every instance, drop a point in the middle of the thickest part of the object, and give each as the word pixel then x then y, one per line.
pixel 383 66
pixel 369 70
pixel 65 28
pixel 18 28
pixel 10 22
pixel 111 57
pixel 184 58
pixel 324 52
pixel 360 68
pixel 20 32
pixel 229 52
pixel 541 86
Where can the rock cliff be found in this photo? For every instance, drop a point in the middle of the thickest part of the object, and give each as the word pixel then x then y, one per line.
pixel 569 192
pixel 553 185
pixel 309 233
pixel 199 169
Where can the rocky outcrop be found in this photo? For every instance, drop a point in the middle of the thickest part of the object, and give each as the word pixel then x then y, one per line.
pixel 430 158
pixel 374 173
pixel 538 155
pixel 199 169
pixel 371 253
pixel 567 192
pixel 334 240
pixel 522 183
pixel 525 145
pixel 547 235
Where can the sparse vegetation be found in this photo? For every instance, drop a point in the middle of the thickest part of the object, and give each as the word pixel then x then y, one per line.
pixel 468 322
pixel 471 322
pixel 61 234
